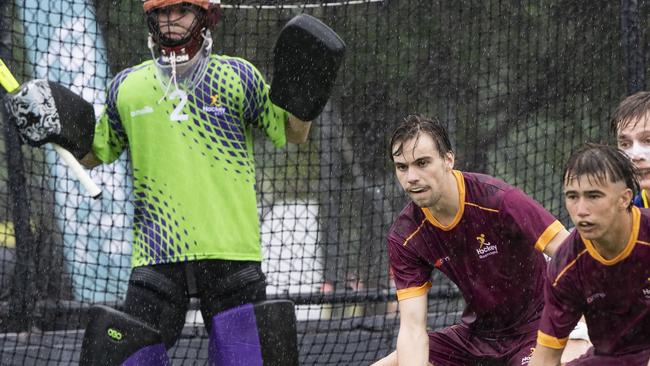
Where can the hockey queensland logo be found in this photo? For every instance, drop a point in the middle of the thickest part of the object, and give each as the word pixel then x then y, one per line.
pixel 214 108
pixel 485 248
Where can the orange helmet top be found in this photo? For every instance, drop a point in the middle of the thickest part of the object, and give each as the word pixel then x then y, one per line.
pixel 155 4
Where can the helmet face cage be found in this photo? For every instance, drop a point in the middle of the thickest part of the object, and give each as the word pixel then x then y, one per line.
pixel 205 18
pixel 162 37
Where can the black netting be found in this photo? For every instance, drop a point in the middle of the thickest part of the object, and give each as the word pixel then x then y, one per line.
pixel 518 84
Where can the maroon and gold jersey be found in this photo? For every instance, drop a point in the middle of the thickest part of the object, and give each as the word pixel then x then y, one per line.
pixel 613 295
pixel 488 251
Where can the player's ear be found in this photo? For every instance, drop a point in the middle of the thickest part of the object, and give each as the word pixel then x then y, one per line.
pixel 626 196
pixel 449 160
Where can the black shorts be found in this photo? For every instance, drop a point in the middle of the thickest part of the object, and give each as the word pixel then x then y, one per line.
pixel 219 284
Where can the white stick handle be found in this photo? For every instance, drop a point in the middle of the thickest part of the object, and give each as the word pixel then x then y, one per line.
pixel 79 172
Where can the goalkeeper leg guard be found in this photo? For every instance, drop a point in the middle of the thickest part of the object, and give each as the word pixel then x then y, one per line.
pixel 255 335
pixel 115 338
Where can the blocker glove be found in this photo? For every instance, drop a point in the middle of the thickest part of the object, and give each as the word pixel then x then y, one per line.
pixel 45 111
pixel 307 57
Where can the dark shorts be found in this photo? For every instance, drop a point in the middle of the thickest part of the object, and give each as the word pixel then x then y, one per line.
pixel 640 358
pixel 457 346
pixel 219 284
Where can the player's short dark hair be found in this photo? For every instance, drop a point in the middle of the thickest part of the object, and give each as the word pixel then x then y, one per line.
pixel 630 111
pixel 602 163
pixel 412 127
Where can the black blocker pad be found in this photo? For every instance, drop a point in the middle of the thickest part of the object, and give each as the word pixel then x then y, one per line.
pixel 115 338
pixel 77 121
pixel 307 57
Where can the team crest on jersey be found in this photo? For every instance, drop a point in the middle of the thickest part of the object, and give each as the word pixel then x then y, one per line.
pixel 214 108
pixel 485 248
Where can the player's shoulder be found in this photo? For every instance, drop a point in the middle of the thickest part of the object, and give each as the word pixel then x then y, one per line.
pixel 485 190
pixel 407 223
pixel 128 73
pixel 568 254
pixel 233 62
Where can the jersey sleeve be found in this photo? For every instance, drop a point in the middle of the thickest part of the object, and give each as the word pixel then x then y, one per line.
pixel 259 111
pixel 562 310
pixel 110 137
pixel 411 274
pixel 525 217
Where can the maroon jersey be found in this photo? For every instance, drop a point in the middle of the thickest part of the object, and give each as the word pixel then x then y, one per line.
pixel 488 251
pixel 613 295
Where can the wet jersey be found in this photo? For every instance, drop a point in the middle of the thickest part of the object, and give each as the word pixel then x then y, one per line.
pixel 491 251
pixel 191 152
pixel 613 295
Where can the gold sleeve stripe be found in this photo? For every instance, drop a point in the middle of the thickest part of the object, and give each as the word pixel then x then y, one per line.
pixel 415 232
pixel 571 264
pixel 481 207
pixel 548 235
pixel 550 341
pixel 410 292
pixel 644 196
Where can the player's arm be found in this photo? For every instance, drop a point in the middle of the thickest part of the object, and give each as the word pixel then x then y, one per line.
pixel 296 130
pixel 555 243
pixel 412 340
pixel 546 356
pixel 563 308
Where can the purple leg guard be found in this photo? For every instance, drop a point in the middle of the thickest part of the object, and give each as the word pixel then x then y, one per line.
pixel 255 335
pixel 234 339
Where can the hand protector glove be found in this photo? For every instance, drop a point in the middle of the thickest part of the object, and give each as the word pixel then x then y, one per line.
pixel 45 111
pixel 307 57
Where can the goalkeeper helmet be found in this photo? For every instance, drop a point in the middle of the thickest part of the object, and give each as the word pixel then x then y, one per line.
pixel 174 37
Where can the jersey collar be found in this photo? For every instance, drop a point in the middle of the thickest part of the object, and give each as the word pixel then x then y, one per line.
pixel 460 183
pixel 636 220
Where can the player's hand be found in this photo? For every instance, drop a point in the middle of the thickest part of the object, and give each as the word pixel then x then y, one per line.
pixel 307 57
pixel 44 112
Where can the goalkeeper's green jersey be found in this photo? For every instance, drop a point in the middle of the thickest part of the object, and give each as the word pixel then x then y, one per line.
pixel 191 153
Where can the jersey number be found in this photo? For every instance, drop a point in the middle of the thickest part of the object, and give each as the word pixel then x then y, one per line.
pixel 176 113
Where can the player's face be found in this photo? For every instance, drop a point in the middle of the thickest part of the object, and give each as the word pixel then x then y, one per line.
pixel 634 140
pixel 176 21
pixel 421 171
pixel 596 208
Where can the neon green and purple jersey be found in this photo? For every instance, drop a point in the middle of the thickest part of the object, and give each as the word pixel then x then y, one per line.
pixel 492 251
pixel 612 294
pixel 191 153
